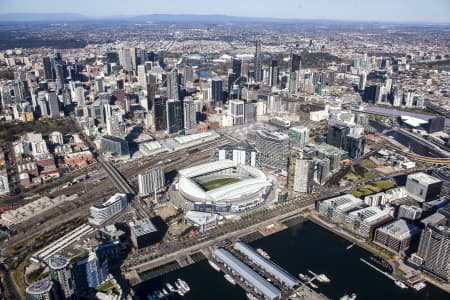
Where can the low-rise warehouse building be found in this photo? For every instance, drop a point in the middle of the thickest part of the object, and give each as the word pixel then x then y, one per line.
pixel 249 276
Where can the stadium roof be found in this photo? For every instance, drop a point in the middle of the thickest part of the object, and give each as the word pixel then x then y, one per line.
pixel 187 185
pixel 257 281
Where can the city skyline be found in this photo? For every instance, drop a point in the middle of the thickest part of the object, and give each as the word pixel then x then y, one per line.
pixel 349 10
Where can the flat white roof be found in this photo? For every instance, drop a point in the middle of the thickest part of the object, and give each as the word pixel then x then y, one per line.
pixel 424 178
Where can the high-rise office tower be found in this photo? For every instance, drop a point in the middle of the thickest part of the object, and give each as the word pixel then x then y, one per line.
pixel 59 74
pixel 258 62
pixel 142 76
pixel 300 174
pixel 237 66
pixel 173 88
pixel 151 181
pixel 189 74
pixel 89 273
pixel 125 59
pixel 434 250
pixel 79 96
pixel 362 81
pixel 61 276
pixel 53 104
pixel 134 59
pixel 274 73
pixel 217 91
pixel 190 114
pixel 175 120
pixel 142 56
pixel 48 72
pixel 159 113
pixel 99 85
pixel 237 108
pixel 274 148
pixel 43 106
pixel 336 135
pixel 354 145
pixel 40 290
pixel 299 135
pixel 231 79
pixel 295 62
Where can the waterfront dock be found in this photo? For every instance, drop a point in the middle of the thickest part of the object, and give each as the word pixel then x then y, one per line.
pixel 260 276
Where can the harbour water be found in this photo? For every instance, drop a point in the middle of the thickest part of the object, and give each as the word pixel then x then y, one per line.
pixel 305 246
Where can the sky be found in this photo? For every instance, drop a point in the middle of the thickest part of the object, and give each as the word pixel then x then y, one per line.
pixel 436 11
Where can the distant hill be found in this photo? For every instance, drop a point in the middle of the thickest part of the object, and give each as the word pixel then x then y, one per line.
pixel 157 18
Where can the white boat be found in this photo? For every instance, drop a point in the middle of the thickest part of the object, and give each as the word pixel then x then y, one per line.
pixel 160 294
pixel 165 292
pixel 313 285
pixel 170 287
pixel 302 276
pixel 229 279
pixel 251 296
pixel 400 284
pixel 263 253
pixel 419 286
pixel 347 297
pixel 214 266
pixel 323 278
pixel 184 286
pixel 180 292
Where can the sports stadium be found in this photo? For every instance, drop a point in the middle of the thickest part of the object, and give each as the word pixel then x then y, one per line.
pixel 223 186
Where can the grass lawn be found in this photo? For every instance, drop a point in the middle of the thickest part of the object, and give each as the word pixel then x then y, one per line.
pixel 374 187
pixel 368 164
pixel 217 183
pixel 108 285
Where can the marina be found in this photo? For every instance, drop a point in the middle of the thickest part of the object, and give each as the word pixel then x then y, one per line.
pixel 301 247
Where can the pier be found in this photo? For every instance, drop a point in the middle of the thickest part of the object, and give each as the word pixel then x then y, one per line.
pixel 378 269
pixel 260 276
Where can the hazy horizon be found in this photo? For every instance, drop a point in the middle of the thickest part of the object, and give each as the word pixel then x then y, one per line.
pixel 401 11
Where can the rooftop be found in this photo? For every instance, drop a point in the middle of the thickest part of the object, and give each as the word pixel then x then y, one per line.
pixel 40 287
pixel 400 229
pixel 142 227
pixel 370 214
pixel 57 262
pixel 258 282
pixel 423 178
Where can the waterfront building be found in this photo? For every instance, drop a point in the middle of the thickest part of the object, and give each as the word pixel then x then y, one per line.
pixel 395 236
pixel 433 254
pixel 260 285
pixel 335 209
pixel 423 187
pixel 151 181
pixel 409 212
pixel 363 221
